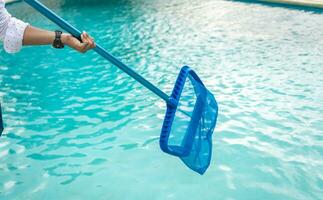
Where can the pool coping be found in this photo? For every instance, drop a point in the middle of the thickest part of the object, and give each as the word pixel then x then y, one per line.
pixel 11 1
pixel 305 3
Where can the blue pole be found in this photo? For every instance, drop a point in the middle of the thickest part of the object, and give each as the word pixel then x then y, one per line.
pixel 1 122
pixel 100 50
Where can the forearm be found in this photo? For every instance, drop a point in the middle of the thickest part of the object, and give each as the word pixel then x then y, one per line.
pixel 36 36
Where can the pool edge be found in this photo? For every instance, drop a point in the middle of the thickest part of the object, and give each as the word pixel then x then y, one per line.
pixel 311 4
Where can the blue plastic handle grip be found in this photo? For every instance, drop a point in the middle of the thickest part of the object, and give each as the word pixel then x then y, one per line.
pixel 100 50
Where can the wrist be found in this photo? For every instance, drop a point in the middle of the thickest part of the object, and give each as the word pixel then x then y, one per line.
pixel 57 43
pixel 65 38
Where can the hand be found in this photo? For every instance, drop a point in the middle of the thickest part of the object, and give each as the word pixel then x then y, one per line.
pixel 86 44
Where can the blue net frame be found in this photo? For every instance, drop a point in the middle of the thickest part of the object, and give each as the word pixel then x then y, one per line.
pixel 195 144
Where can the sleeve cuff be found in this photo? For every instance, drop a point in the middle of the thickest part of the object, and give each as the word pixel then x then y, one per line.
pixel 14 35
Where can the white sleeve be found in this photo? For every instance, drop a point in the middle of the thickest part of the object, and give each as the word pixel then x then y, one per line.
pixel 14 35
pixel 11 31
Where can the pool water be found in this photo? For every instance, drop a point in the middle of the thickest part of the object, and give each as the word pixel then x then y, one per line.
pixel 79 128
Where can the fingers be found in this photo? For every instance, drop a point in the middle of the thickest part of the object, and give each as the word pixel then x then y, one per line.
pixel 84 46
pixel 87 42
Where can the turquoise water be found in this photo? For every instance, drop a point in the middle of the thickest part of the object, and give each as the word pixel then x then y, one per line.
pixel 78 128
